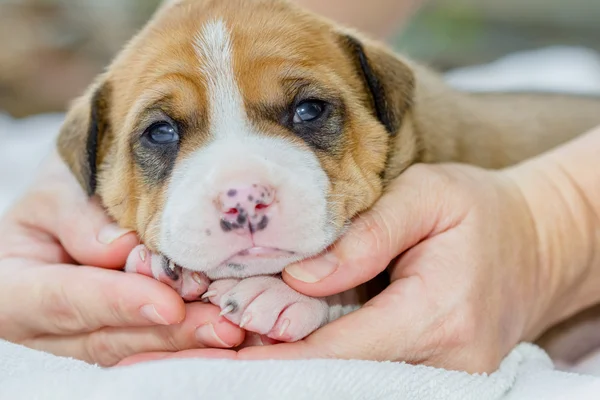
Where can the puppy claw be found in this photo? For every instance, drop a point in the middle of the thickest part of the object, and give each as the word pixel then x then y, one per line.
pixel 284 326
pixel 197 278
pixel 209 294
pixel 246 320
pixel 270 308
pixel 226 310
pixel 171 265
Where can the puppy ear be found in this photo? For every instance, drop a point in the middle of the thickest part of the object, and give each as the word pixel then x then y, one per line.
pixel 389 81
pixel 82 133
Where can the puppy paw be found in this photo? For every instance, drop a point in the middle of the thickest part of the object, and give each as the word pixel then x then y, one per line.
pixel 189 284
pixel 268 306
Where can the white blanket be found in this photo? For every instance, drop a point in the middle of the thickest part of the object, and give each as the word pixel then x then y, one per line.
pixel 527 373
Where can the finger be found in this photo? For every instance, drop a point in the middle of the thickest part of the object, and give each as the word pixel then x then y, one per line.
pixel 202 328
pixel 251 339
pixel 58 206
pixel 91 238
pixel 200 353
pixel 190 285
pixel 404 215
pixel 65 300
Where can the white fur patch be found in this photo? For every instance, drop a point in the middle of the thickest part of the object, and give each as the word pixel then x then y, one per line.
pixel 238 154
pixel 213 46
pixel 342 304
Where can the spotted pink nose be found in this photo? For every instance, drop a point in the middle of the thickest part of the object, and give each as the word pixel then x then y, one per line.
pixel 246 207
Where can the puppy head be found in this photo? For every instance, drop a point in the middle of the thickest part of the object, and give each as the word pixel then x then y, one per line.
pixel 238 136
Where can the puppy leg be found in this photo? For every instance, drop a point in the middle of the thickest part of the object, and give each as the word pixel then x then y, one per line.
pixel 268 306
pixel 189 284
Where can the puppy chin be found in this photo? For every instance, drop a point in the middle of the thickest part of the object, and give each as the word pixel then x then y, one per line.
pixel 244 264
pixel 251 267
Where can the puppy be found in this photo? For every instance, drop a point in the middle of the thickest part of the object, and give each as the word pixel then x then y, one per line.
pixel 239 136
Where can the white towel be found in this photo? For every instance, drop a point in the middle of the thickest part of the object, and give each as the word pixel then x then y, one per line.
pixel 527 373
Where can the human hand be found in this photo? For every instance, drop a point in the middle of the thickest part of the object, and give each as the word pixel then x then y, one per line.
pixel 471 281
pixel 99 315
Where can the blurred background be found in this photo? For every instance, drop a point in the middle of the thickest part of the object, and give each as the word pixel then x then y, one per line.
pixel 50 50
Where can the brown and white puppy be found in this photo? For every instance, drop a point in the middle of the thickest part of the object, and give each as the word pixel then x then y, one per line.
pixel 239 136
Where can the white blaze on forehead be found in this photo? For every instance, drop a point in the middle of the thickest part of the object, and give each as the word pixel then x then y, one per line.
pixel 214 49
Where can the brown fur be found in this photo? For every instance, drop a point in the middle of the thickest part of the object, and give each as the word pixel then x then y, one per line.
pixel 275 41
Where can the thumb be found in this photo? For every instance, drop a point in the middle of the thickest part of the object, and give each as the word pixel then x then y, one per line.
pixel 91 238
pixel 374 332
pixel 58 205
pixel 406 213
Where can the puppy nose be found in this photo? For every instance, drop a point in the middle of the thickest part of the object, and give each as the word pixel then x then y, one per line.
pixel 245 207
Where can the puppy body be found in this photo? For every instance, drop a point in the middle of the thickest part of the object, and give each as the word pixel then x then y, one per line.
pixel 237 137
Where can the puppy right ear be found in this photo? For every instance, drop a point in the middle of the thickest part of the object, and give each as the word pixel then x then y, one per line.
pixel 82 133
pixel 387 78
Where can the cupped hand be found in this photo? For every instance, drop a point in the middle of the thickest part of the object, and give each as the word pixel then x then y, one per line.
pixel 52 299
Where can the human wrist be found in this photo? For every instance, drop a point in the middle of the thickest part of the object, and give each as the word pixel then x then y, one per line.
pixel 566 227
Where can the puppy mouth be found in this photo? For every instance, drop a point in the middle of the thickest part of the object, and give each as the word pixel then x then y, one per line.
pixel 241 257
pixel 262 252
pixel 257 253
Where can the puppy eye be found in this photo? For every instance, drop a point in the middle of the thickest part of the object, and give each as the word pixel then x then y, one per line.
pixel 308 111
pixel 162 133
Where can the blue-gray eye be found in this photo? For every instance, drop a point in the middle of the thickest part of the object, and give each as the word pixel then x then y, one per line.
pixel 162 133
pixel 308 111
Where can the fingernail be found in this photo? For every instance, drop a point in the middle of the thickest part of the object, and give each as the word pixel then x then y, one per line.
pixel 312 271
pixel 111 232
pixel 209 294
pixel 245 320
pixel 198 279
pixel 206 333
pixel 284 327
pixel 149 312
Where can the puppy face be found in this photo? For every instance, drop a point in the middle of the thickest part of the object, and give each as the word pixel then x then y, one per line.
pixel 238 136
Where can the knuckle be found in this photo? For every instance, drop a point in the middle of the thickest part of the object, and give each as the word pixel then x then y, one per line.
pixel 373 244
pixel 433 175
pixel 100 349
pixel 60 309
pixel 105 349
pixel 451 333
pixel 67 228
pixel 168 340
pixel 374 231
pixel 72 221
pixel 118 311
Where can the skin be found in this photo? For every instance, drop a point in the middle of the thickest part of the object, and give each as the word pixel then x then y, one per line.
pixel 67 308
pixel 44 240
pixel 468 286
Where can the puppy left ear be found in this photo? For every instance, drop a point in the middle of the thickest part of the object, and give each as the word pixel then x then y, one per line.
pixel 389 81
pixel 82 134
